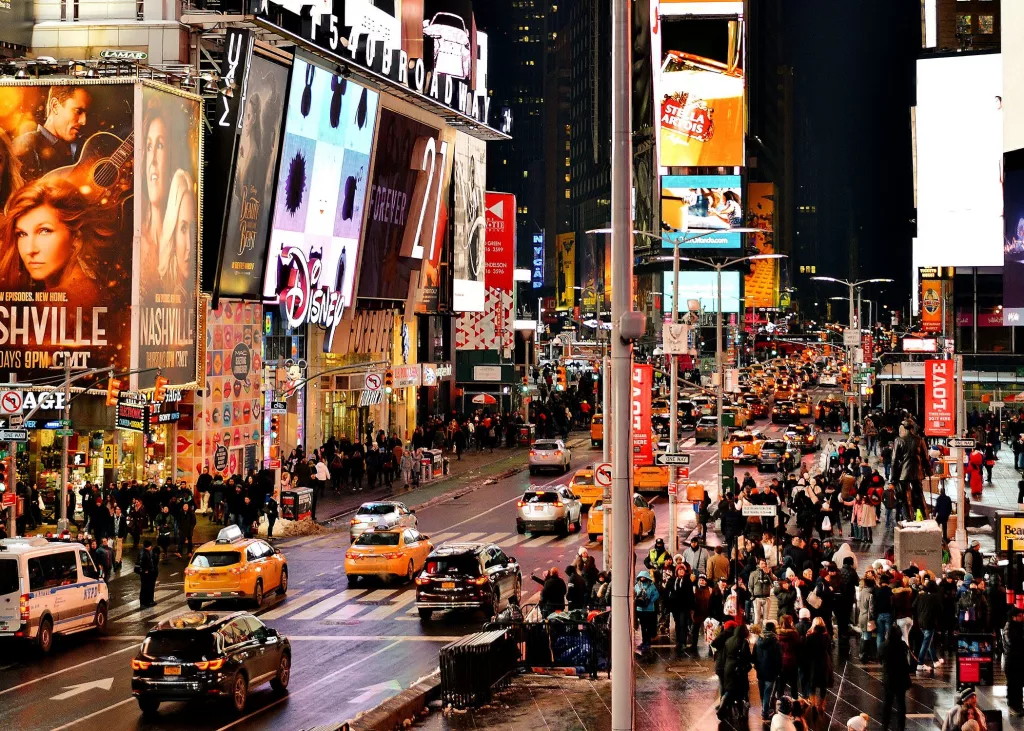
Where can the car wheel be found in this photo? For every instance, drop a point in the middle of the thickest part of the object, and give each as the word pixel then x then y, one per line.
pixel 44 638
pixel 101 618
pixel 239 692
pixel 520 528
pixel 517 590
pixel 149 706
pixel 578 525
pixel 562 527
pixel 194 604
pixel 592 537
pixel 425 614
pixel 533 471
pixel 284 673
pixel 283 588
pixel 257 594
pixel 494 604
pixel 410 574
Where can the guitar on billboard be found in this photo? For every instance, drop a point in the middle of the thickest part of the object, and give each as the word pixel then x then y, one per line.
pixel 104 165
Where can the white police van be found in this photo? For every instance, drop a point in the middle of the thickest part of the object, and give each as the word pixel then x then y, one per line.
pixel 49 588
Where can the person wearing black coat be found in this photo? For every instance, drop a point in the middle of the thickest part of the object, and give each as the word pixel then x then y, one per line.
pixel 147 569
pixel 1013 652
pixel 186 527
pixel 552 595
pixel 817 663
pixel 895 659
pixel 737 666
pixel 272 515
pixel 680 603
pixel 928 610
pixel 768 662
pixel 576 591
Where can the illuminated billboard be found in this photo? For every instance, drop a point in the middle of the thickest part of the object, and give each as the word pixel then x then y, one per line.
pixel 701 7
pixel 469 257
pixel 1013 244
pixel 761 286
pixel 321 190
pixel 959 154
pixel 701 202
pixel 700 85
pixel 703 286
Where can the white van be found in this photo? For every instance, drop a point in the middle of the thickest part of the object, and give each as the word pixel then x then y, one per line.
pixel 49 588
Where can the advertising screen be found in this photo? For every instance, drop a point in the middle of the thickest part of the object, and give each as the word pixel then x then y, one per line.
pixel 247 219
pixel 959 155
pixel 469 225
pixel 641 386
pixel 761 286
pixel 168 208
pixel 701 7
pixel 703 286
pixel 565 269
pixel 501 240
pixel 701 202
pixel 68 227
pixel 1013 238
pixel 537 261
pixel 398 219
pixel 321 186
pixel 700 86
pixel 939 399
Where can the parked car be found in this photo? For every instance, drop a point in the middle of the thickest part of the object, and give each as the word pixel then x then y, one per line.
pixel 467 576
pixel 556 509
pixel 199 655
pixel 550 454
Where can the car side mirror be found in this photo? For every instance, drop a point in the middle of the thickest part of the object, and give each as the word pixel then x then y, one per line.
pixel 412 512
pixel 424 537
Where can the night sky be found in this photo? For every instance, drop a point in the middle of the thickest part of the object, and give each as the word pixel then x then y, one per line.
pixel 854 86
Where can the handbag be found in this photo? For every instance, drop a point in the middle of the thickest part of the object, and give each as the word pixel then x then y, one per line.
pixel 826 524
pixel 813 599
pixel 872 625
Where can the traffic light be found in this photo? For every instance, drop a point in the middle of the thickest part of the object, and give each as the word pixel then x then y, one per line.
pixel 275 423
pixel 525 387
pixel 160 389
pixel 113 389
pixel 562 382
pixel 389 381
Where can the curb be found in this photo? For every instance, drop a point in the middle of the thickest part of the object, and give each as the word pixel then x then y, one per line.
pixel 392 713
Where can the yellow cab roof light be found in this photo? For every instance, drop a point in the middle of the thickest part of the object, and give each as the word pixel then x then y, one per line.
pixel 231 534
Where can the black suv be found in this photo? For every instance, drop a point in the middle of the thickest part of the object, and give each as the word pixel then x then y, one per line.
pixel 205 655
pixel 469 576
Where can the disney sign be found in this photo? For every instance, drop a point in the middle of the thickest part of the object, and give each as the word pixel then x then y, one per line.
pixel 303 298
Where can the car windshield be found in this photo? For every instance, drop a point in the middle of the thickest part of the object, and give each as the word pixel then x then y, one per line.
pixel 465 564
pixel 215 559
pixel 742 438
pixel 540 497
pixel 583 480
pixel 773 446
pixel 8 576
pixel 185 645
pixel 375 538
pixel 375 509
pixel 545 446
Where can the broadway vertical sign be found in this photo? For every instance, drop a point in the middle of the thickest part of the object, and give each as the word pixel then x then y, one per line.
pixel 640 410
pixel 939 399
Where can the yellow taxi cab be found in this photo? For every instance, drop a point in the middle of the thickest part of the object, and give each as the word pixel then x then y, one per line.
pixel 596 430
pixel 660 407
pixel 650 478
pixel 234 567
pixel 386 552
pixel 742 446
pixel 583 486
pixel 740 415
pixel 803 404
pixel 644 522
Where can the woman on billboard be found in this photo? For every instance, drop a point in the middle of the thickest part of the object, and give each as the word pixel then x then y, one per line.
pixel 55 239
pixel 157 169
pixel 177 237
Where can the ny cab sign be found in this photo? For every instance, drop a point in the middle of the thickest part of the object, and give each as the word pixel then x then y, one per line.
pixel 939 399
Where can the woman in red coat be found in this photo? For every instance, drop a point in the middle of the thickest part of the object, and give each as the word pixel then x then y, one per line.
pixel 974 472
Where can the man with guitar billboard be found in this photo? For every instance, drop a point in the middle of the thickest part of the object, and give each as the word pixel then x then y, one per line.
pixel 56 142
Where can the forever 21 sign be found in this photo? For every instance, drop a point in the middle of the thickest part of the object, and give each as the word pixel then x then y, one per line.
pixel 321 24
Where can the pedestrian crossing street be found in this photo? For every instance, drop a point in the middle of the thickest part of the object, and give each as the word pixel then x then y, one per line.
pixel 325 606
pixel 506 539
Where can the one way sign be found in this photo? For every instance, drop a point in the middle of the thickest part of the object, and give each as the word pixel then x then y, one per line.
pixel 672 460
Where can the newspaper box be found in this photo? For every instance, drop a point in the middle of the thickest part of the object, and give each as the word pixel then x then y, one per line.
pixel 297 504
pixel 526 434
pixel 919 543
pixel 436 461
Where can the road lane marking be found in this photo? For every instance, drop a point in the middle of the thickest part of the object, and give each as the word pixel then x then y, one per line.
pixel 68 669
pixel 494 537
pixel 330 603
pixel 172 613
pixel 291 604
pixel 386 611
pixel 534 542
pixel 306 689
pixel 346 612
pixel 515 499
pixel 132 606
pixel 513 541
pixel 375 638
pixel 94 713
pixel 438 537
pixel 468 537
pixel 379 595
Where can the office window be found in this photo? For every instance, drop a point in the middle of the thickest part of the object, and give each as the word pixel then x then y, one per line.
pixel 566 164
pixel 986 24
pixel 526 173
pixel 963 24
pixel 566 192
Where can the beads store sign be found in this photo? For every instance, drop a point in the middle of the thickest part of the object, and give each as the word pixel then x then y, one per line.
pixel 1011 528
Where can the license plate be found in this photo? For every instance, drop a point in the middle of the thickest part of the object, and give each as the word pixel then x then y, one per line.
pixel 448 585
pixel 172 670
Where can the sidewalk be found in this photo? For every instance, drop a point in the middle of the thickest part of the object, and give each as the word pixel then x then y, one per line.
pixel 1001 495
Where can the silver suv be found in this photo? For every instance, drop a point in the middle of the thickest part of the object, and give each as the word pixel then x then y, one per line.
pixel 555 509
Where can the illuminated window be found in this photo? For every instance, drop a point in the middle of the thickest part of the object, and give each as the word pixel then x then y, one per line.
pixel 986 24
pixel 567 162
pixel 567 147
pixel 525 173
pixel 963 25
pixel 814 269
pixel 567 177
pixel 566 192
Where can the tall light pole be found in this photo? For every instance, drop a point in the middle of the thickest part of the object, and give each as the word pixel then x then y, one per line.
pixel 621 358
pixel 719 374
pixel 689 236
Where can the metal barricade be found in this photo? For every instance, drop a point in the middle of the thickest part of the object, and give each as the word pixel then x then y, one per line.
pixel 476 665
pixel 560 643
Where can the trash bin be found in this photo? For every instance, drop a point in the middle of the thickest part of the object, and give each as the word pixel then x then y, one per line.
pixel 426 471
pixel 297 504
pixel 526 434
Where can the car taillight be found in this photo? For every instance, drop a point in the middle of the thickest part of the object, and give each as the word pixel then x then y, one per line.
pixel 533 452
pixel 140 664
pixel 210 664
pixel 391 555
pixel 558 452
pixel 351 554
pixel 422 581
pixel 237 570
pixel 23 607
pixel 191 571
pixel 479 580
pixel 558 504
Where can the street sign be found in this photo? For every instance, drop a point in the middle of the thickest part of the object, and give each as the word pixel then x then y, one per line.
pixel 372 382
pixel 761 511
pixel 13 435
pixel 954 443
pixel 684 473
pixel 671 488
pixel 603 474
pixel 278 407
pixel 666 460
pixel 851 394
pixel 851 338
pixel 9 499
pixel 65 433
pixel 11 402
pixel 16 420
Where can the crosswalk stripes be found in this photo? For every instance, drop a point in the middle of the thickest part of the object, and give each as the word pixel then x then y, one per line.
pixel 383 612
pixel 379 595
pixel 438 538
pixel 296 600
pixel 167 615
pixel 327 604
pixel 348 611
pixel 469 537
pixel 494 537
pixel 133 606
pixel 540 541
pixel 513 541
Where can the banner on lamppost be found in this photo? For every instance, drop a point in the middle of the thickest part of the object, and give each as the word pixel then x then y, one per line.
pixel 939 399
pixel 640 413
